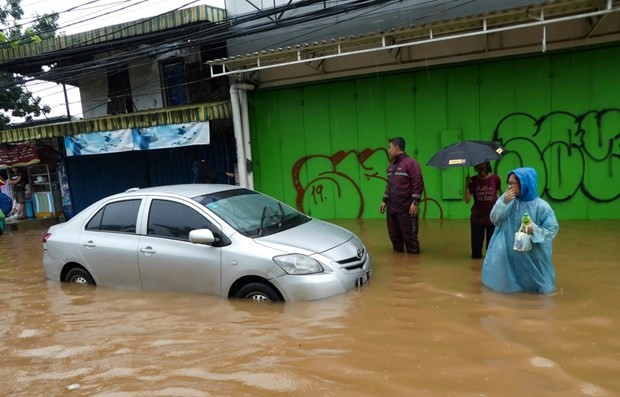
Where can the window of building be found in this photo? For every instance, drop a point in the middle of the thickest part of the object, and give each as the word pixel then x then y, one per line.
pixel 119 92
pixel 173 82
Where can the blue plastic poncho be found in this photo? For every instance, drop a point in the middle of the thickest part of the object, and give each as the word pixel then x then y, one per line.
pixel 507 270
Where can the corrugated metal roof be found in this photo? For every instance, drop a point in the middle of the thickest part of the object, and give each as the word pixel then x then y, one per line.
pixel 185 114
pixel 167 21
pixel 409 34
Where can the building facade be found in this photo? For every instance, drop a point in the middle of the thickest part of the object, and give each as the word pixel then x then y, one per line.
pixel 539 77
pixel 150 105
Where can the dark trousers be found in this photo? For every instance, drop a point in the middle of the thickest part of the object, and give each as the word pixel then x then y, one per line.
pixel 403 232
pixel 478 233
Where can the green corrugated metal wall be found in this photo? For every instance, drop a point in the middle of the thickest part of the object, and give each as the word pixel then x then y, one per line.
pixel 322 147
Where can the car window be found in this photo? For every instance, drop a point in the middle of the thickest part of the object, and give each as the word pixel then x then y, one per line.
pixel 251 213
pixel 95 221
pixel 119 216
pixel 175 220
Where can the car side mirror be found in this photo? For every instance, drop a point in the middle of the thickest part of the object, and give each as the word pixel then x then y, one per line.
pixel 201 236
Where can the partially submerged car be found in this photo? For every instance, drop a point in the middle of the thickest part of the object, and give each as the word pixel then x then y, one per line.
pixel 206 238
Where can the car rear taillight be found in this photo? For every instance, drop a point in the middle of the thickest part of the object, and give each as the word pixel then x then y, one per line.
pixel 44 239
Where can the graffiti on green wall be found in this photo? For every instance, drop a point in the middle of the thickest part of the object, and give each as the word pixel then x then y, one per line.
pixel 322 180
pixel 572 152
pixel 344 182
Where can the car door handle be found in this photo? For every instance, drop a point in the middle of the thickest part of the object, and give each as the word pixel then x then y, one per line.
pixel 147 250
pixel 89 244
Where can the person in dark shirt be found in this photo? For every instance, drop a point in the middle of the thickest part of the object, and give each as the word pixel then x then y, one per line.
pixel 203 173
pixel 402 198
pixel 18 182
pixel 484 187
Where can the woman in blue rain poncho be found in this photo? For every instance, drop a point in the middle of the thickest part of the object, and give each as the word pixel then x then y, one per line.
pixel 507 270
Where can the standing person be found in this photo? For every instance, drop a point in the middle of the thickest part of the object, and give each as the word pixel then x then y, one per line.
pixel 505 269
pixel 203 173
pixel 402 198
pixel 484 187
pixel 18 182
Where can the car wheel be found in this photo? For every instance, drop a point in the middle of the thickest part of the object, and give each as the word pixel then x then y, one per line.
pixel 258 293
pixel 79 276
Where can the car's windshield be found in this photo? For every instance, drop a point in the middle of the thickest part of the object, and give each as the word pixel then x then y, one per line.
pixel 251 213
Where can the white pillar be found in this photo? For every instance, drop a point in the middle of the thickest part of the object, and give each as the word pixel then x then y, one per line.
pixel 241 125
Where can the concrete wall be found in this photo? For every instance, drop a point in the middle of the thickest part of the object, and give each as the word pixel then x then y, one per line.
pixel 145 84
pixel 322 147
pixel 94 96
pixel 145 80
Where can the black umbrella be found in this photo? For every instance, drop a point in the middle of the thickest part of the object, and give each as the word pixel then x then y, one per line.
pixel 466 154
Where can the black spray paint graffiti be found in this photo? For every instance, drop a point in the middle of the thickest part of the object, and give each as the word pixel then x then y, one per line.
pixel 571 153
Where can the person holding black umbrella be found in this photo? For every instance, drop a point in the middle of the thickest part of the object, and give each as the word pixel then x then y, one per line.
pixel 484 187
pixel 402 198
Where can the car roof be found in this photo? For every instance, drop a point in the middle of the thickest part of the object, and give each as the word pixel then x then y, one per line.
pixel 187 190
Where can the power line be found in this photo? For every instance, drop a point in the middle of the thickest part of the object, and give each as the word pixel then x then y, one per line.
pixel 192 38
pixel 202 37
pixel 87 18
pixel 368 13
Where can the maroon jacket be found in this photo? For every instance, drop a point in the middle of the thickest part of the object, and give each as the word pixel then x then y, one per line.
pixel 404 184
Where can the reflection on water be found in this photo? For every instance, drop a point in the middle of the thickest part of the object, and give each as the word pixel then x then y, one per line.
pixel 422 327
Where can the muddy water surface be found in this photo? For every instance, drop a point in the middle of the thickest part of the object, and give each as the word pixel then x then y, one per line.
pixel 422 327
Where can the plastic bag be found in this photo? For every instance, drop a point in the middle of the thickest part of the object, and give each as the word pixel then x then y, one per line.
pixel 523 240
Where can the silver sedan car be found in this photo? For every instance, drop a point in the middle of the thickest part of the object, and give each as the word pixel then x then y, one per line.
pixel 213 239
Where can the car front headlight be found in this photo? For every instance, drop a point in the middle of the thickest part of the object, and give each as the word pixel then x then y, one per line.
pixel 298 264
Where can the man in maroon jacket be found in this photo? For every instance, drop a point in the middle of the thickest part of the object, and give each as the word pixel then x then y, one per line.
pixel 402 198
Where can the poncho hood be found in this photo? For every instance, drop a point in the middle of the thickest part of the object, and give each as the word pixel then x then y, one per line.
pixel 528 180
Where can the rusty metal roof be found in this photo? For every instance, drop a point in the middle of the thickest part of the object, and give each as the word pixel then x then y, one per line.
pixel 542 13
pixel 28 58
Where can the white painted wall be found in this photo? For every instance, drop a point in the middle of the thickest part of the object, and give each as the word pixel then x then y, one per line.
pixel 145 84
pixel 94 95
pixel 145 80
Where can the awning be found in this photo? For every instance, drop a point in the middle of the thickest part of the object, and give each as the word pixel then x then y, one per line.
pixel 150 118
pixel 392 40
pixel 19 155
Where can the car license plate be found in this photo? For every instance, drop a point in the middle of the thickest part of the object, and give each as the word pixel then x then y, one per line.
pixel 363 279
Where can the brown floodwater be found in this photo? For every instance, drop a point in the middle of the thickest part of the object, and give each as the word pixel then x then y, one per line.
pixel 423 326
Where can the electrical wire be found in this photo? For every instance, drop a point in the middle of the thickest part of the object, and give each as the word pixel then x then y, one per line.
pixel 88 19
pixel 124 59
pixel 203 36
pixel 375 12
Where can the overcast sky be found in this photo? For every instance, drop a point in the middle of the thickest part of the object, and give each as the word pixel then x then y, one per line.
pixel 83 15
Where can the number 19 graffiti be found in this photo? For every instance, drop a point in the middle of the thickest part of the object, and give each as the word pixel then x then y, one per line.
pixel 317 193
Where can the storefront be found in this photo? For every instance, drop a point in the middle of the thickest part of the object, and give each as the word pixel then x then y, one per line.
pixel 43 195
pixel 87 160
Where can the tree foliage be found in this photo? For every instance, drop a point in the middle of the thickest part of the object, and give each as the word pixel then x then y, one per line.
pixel 15 99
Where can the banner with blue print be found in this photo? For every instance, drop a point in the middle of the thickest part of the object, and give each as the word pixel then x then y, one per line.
pixel 166 136
pixel 99 143
pixel 158 137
